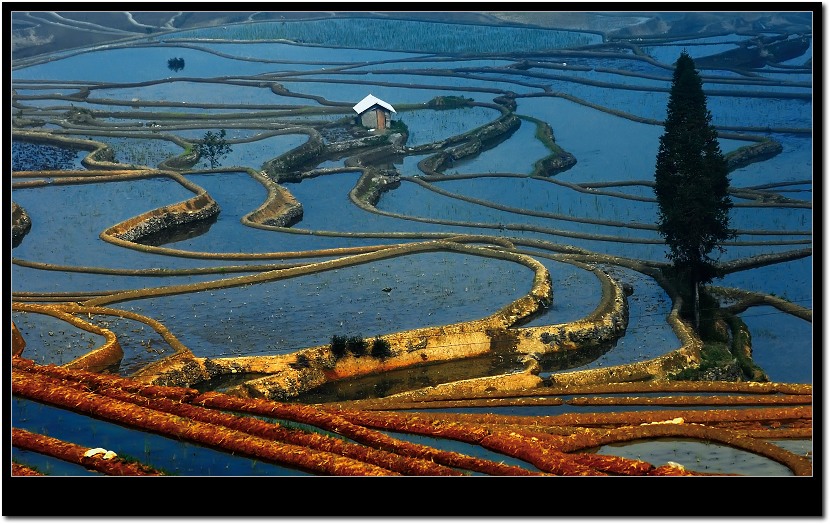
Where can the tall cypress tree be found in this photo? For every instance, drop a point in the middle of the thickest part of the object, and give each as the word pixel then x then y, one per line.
pixel 691 183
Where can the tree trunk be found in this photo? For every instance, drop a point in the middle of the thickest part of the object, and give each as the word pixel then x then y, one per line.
pixel 696 305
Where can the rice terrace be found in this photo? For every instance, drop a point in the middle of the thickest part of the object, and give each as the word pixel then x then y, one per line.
pixel 402 243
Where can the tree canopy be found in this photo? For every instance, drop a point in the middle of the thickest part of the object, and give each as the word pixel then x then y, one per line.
pixel 175 64
pixel 691 179
pixel 214 147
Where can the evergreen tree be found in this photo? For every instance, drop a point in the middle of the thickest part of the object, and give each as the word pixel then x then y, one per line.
pixel 691 183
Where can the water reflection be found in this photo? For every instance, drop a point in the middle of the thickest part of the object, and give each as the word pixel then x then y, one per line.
pixel 605 108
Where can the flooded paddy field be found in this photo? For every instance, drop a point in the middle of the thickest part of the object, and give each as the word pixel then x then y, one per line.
pixel 424 235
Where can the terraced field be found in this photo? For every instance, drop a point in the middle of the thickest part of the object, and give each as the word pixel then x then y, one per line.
pixel 476 291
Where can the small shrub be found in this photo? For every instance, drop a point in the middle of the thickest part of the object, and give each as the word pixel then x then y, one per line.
pixel 399 126
pixel 338 345
pixel 214 147
pixel 449 102
pixel 357 346
pixel 302 362
pixel 714 356
pixel 381 348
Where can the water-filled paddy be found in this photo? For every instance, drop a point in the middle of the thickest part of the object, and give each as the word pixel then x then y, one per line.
pixel 284 315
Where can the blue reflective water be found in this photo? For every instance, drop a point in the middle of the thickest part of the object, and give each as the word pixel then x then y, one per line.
pixel 284 315
pixel 782 344
pixel 168 454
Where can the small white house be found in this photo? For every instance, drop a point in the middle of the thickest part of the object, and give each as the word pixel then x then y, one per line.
pixel 374 113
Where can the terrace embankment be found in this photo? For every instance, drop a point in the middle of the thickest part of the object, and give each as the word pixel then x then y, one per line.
pixel 469 144
pixel 288 376
pixel 557 444
pixel 744 156
pixel 21 223
pixel 198 208
pixel 103 357
pixel 102 168
pixel 280 208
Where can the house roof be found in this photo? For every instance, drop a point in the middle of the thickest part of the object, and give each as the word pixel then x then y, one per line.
pixel 370 101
